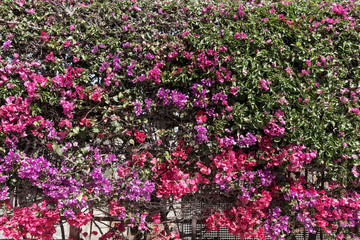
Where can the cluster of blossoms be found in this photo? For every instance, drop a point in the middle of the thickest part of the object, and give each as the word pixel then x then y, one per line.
pixel 276 224
pixel 172 96
pixel 16 115
pixel 246 141
pixel 6 45
pixel 243 219
pixel 168 107
pixel 327 209
pixel 38 220
pixel 201 136
pixel 264 84
pixel 199 92
pixel 132 188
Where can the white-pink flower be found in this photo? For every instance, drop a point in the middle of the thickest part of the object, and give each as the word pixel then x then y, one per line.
pixel 264 84
pixel 353 170
pixel 31 11
pixel 288 70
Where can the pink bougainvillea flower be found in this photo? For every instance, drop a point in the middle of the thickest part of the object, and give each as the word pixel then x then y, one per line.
pixel 96 95
pixel 156 218
pixel 136 8
pixel 140 136
pixel 44 36
pixel 6 45
pixel 31 11
pixel 50 57
pixel 67 43
pixel 268 41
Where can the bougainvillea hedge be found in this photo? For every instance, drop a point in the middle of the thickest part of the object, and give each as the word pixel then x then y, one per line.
pixel 136 104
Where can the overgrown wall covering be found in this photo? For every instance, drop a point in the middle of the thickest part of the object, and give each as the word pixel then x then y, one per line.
pixel 137 104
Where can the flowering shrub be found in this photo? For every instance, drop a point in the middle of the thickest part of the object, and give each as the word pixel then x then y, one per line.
pixel 38 221
pixel 136 104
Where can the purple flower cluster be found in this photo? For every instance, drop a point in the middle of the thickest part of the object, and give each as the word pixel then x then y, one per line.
pixel 266 177
pixel 147 102
pixel 177 98
pixel 251 180
pixel 4 193
pixel 274 130
pixel 69 213
pixel 201 136
pixel 275 224
pixel 308 222
pixel 247 140
pixel 10 142
pixel 221 96
pixel 59 185
pixel 100 183
pixel 51 133
pixel 6 163
pixel 65 185
pixel 227 141
pixel 211 112
pixel 207 82
pixel 125 45
pixel 103 66
pixel 140 78
pixel 137 107
pixel 130 68
pixel 95 49
pixel 203 61
pixel 163 94
pixel 132 188
pixel 200 95
pixel 32 168
pixel 302 198
pixel 245 193
pixel 6 45
pixel 149 56
pixel 116 65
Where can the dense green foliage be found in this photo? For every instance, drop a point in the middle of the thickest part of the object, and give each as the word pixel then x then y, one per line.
pixel 256 103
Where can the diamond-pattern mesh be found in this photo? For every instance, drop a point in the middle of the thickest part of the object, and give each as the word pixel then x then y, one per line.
pixel 223 234
pixel 188 208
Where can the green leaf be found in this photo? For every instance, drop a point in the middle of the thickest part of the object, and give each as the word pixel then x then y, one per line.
pixel 59 151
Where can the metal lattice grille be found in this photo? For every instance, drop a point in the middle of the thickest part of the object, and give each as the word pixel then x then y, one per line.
pixel 223 234
pixel 194 208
